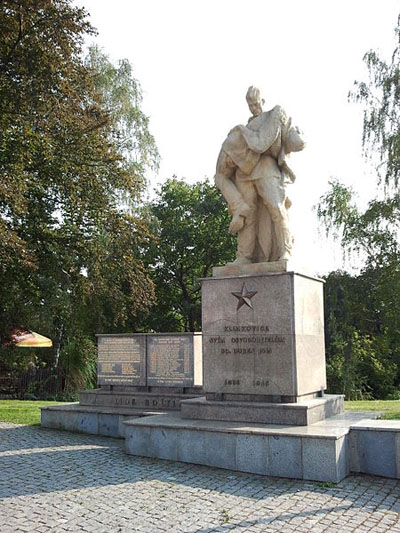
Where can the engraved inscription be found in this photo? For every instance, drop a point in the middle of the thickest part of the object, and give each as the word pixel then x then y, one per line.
pixel 170 360
pixel 259 340
pixel 260 383
pixel 232 382
pixel 121 360
pixel 248 329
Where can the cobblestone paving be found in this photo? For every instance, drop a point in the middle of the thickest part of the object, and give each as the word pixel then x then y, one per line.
pixel 59 481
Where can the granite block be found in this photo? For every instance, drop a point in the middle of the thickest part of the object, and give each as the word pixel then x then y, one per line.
pixel 377 453
pixel 285 457
pixel 108 425
pixel 49 419
pixel 252 454
pixel 69 420
pixel 265 343
pixel 192 447
pixel 164 443
pixel 221 450
pixel 87 423
pixel 296 414
pixel 319 460
pixel 121 425
pixel 137 441
pixel 342 457
pixel 353 449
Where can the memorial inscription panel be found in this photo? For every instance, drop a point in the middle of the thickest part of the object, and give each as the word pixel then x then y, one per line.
pixel 122 360
pixel 170 360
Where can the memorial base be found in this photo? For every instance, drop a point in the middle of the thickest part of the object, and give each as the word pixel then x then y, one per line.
pixel 326 451
pixel 294 414
pixel 102 411
pixel 314 452
pixel 105 421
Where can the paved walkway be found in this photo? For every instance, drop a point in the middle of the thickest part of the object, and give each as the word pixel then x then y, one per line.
pixel 59 481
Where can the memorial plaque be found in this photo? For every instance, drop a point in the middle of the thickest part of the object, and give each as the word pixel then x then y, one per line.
pixel 170 360
pixel 122 360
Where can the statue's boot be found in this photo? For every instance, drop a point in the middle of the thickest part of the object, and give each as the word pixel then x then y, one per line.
pixel 240 261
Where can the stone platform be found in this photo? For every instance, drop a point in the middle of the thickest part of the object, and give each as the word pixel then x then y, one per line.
pixel 295 414
pixel 325 451
pixel 102 412
pixel 105 421
pixel 158 398
pixel 313 452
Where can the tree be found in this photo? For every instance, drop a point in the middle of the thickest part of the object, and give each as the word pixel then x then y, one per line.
pixel 122 96
pixel 191 227
pixel 373 232
pixel 69 255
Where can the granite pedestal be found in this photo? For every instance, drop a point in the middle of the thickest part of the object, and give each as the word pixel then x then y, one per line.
pixel 263 350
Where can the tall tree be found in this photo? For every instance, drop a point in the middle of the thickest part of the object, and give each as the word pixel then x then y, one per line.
pixel 69 256
pixel 190 223
pixel 374 232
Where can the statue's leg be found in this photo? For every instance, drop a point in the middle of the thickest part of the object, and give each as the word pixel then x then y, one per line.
pixel 265 232
pixel 247 235
pixel 273 194
pixel 224 181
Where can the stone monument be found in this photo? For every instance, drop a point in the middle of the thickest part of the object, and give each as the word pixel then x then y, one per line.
pixel 262 408
pixel 263 330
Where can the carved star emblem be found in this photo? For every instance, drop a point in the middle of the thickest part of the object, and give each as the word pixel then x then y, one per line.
pixel 244 297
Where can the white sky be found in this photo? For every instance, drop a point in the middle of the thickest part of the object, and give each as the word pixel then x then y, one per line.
pixel 195 60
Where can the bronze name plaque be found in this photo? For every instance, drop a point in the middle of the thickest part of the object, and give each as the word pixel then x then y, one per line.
pixel 170 360
pixel 122 360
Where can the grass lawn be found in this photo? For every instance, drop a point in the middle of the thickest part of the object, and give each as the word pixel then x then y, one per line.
pixel 28 412
pixel 22 411
pixel 390 408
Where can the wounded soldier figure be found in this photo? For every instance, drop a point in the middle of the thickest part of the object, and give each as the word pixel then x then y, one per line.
pixel 252 173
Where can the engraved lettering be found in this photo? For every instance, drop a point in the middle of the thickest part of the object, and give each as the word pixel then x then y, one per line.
pixel 260 383
pixel 265 350
pixel 232 382
pixel 248 328
pixel 259 340
pixel 170 360
pixel 217 340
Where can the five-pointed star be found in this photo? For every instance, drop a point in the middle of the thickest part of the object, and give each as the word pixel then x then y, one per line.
pixel 244 297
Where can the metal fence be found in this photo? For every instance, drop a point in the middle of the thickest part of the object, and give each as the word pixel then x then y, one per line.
pixel 38 383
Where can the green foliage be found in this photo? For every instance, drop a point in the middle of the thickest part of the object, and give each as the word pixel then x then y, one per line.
pixel 78 360
pixel 363 346
pixel 70 262
pixel 362 312
pixel 122 97
pixel 190 223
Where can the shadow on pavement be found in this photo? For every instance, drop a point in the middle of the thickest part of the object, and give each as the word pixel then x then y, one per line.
pixel 35 461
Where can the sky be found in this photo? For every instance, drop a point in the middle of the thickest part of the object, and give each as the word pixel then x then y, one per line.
pixel 195 60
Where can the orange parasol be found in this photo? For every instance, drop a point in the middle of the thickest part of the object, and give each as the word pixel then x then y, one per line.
pixel 30 339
